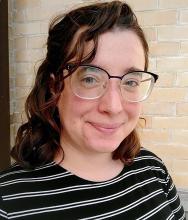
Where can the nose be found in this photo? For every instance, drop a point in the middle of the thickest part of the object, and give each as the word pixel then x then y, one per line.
pixel 112 101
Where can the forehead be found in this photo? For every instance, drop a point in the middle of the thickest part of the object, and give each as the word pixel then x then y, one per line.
pixel 117 46
pixel 120 48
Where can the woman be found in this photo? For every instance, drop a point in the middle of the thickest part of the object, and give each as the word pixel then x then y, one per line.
pixel 78 155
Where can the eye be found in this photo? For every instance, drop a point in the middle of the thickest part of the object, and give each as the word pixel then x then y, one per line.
pixel 88 80
pixel 131 83
pixel 88 77
pixel 132 80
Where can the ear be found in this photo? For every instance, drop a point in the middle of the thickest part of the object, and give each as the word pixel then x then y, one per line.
pixel 52 84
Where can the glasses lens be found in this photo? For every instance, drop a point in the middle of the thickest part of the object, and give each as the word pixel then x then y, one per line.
pixel 89 82
pixel 136 86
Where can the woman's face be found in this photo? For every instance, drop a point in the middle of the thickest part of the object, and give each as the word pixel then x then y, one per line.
pixel 100 125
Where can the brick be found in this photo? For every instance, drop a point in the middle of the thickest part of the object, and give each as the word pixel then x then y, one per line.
pixel 151 135
pixel 150 33
pixel 36 42
pixel 182 79
pixel 29 55
pixel 57 7
pixel 152 67
pixel 172 33
pixel 10 6
pixel 143 5
pixel 11 44
pixel 23 68
pixel 180 166
pixel 168 95
pixel 170 151
pixel 180 122
pixel 23 80
pixel 10 15
pixel 12 107
pixel 184 48
pixel 179 137
pixel 16 117
pixel 20 105
pixel 22 92
pixel 20 43
pixel 60 4
pixel 172 63
pixel 35 14
pixel 12 94
pixel 182 108
pixel 168 109
pixel 44 26
pixel 145 123
pixel 183 16
pixel 20 120
pixel 164 48
pixel 22 4
pixel 162 17
pixel 27 28
pixel 11 69
pixel 180 180
pixel 11 82
pixel 173 3
pixel 11 32
pixel 19 16
pixel 166 79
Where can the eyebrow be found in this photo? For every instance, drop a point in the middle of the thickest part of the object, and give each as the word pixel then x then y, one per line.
pixel 128 70
pixel 132 69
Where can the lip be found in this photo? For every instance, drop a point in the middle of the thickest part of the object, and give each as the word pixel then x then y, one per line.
pixel 106 128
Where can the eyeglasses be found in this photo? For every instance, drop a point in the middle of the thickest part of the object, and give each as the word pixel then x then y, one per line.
pixel 91 82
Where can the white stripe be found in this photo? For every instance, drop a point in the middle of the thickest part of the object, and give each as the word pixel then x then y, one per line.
pixel 171 216
pixel 126 208
pixel 163 181
pixel 78 204
pixel 87 186
pixel 177 209
pixel 3 213
pixel 71 189
pixel 51 164
pixel 173 199
pixel 148 157
pixel 154 211
pixel 171 188
pixel 37 179
pixel 183 217
pixel 27 171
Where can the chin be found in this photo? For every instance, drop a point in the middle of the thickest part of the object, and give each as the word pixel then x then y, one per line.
pixel 104 146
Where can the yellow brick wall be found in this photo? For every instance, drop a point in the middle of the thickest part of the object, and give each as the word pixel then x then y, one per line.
pixel 165 23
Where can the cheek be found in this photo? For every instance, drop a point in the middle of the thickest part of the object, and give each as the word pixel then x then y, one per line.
pixel 72 109
pixel 133 110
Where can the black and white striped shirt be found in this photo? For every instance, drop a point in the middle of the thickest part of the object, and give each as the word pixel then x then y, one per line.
pixel 143 190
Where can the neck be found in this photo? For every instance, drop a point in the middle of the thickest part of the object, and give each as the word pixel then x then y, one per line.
pixel 95 166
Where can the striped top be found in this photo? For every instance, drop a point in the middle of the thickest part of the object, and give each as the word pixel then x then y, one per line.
pixel 143 190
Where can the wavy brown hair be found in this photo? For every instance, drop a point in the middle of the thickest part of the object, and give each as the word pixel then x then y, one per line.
pixel 38 140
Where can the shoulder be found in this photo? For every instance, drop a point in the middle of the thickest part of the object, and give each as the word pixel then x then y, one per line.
pixel 16 181
pixel 146 155
pixel 149 165
pixel 15 171
pixel 16 178
pixel 151 162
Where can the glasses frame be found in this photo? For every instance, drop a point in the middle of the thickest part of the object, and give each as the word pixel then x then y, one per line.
pixel 71 68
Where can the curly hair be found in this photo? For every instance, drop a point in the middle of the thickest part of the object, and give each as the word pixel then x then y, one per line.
pixel 38 140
